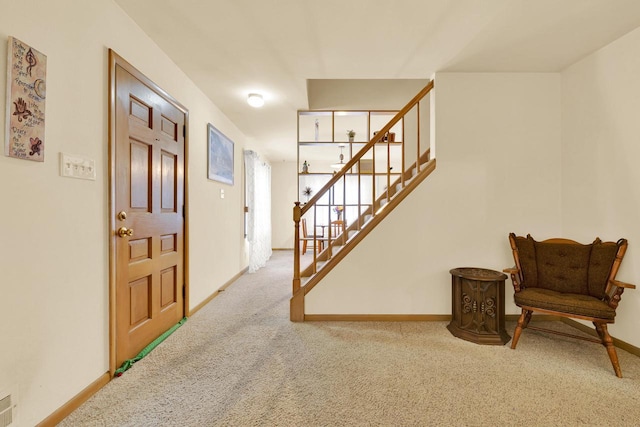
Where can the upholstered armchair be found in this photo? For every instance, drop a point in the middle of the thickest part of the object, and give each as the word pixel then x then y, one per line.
pixel 564 278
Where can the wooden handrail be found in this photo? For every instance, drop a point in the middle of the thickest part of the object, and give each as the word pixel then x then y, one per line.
pixel 389 198
pixel 426 171
pixel 376 138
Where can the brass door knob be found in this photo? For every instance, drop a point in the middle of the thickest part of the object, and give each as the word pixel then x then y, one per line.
pixel 124 231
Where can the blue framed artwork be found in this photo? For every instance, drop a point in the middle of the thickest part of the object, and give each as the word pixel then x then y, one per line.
pixel 220 156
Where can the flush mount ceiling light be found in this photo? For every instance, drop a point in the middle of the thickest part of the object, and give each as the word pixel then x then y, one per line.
pixel 255 100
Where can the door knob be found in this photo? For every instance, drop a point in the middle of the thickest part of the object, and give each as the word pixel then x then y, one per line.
pixel 124 231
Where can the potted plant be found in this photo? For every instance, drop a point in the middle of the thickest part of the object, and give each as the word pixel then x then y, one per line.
pixel 351 134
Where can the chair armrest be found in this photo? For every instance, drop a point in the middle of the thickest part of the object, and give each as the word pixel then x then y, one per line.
pixel 622 284
pixel 514 272
pixel 614 291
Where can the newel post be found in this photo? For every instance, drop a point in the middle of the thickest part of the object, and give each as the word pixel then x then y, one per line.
pixel 296 246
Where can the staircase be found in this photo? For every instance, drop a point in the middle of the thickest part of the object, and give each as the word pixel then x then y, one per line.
pixel 371 206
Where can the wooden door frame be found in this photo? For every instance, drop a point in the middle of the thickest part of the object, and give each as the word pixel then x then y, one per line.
pixel 116 60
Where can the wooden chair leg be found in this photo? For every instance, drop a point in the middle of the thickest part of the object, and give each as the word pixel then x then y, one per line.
pixel 607 341
pixel 527 319
pixel 599 331
pixel 523 321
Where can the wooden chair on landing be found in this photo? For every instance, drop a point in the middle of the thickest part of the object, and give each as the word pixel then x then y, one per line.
pixel 306 237
pixel 564 278
pixel 337 228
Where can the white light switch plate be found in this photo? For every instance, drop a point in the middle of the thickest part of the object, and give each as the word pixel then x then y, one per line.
pixel 74 166
pixel 222 193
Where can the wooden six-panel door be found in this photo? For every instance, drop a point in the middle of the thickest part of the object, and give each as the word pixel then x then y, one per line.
pixel 149 204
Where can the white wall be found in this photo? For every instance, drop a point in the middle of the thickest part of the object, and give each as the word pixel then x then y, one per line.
pixel 54 245
pixel 600 157
pixel 362 94
pixel 284 184
pixel 498 170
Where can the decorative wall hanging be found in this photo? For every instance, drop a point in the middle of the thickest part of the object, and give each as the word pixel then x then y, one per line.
pixel 220 149
pixel 26 93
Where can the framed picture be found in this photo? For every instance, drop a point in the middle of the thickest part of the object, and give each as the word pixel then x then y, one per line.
pixel 220 156
pixel 26 93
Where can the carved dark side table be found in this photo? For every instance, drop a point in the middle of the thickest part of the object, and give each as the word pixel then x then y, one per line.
pixel 477 311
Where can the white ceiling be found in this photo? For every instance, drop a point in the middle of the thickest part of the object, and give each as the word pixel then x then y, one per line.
pixel 232 47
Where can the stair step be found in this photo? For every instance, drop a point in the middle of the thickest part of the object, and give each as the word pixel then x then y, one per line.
pixel 406 181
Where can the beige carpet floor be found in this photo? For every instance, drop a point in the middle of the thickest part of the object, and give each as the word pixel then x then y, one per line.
pixel 240 362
